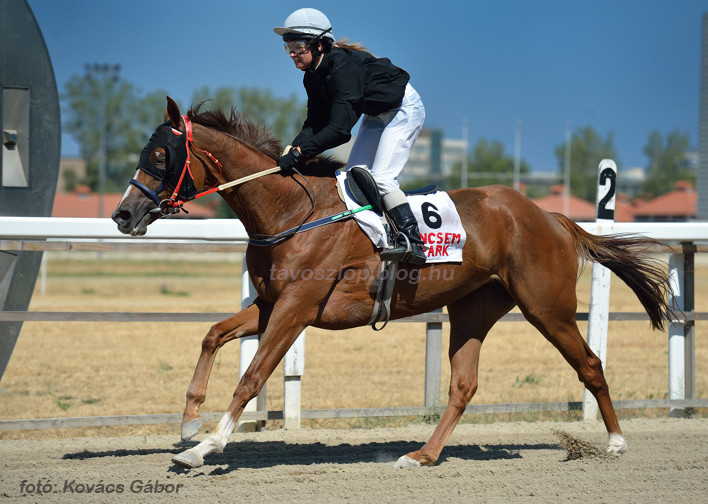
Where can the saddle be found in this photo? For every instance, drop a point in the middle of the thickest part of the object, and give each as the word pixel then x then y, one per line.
pixel 362 187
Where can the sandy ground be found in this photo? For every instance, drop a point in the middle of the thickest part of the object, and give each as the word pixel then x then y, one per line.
pixel 91 369
pixel 503 462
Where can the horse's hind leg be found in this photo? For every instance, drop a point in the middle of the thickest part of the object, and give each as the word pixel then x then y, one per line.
pixel 471 318
pixel 251 320
pixel 551 308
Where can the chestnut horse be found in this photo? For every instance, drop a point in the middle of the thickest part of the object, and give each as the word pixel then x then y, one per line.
pixel 516 255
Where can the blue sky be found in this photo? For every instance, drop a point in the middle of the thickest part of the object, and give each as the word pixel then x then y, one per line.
pixel 622 66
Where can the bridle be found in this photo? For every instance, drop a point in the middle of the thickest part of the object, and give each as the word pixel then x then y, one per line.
pixel 175 203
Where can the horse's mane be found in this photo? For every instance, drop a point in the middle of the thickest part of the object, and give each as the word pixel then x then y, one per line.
pixel 257 136
pixel 239 127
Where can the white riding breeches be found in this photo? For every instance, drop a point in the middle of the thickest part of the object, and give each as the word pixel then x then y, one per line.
pixel 384 141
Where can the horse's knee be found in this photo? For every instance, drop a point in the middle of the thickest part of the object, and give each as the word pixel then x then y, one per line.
pixel 593 376
pixel 462 390
pixel 212 340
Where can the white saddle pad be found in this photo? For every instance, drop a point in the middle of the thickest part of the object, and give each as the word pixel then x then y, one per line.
pixel 438 221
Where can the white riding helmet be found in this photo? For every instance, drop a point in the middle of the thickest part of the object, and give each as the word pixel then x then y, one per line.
pixel 309 22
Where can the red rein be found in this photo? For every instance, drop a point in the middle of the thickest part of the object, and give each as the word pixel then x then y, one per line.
pixel 173 201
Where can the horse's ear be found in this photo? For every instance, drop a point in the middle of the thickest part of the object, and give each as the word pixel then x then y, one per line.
pixel 173 114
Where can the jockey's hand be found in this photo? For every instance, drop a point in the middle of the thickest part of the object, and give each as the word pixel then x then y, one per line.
pixel 291 160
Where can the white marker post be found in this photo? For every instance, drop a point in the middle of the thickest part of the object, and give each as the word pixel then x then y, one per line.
pixel 248 349
pixel 293 369
pixel 598 314
pixel 682 355
pixel 293 363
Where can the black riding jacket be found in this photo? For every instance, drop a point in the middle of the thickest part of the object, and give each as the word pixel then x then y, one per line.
pixel 346 84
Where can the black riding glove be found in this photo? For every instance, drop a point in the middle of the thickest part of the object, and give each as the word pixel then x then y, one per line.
pixel 291 160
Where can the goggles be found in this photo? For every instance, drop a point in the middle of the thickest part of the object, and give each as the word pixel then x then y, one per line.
pixel 297 47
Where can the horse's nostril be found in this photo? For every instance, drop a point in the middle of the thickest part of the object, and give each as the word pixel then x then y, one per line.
pixel 121 216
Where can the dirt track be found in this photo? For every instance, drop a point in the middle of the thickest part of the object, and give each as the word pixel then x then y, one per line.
pixel 503 462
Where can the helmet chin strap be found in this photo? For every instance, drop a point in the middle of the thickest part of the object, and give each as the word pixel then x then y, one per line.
pixel 315 49
pixel 316 55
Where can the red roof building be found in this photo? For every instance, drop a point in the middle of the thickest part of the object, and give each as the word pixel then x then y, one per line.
pixel 579 210
pixel 679 205
pixel 84 203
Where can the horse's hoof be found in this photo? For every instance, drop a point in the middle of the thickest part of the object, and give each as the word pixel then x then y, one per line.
pixel 616 445
pixel 405 462
pixel 191 459
pixel 191 429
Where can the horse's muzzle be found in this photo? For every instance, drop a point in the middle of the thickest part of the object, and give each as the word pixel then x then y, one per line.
pixel 130 223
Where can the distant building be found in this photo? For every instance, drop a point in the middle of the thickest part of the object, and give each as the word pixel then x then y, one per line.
pixel 702 179
pixel 579 210
pixel 679 205
pixel 431 159
pixel 82 202
pixel 630 180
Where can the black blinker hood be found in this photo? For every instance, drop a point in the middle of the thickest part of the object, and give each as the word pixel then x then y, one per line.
pixel 175 147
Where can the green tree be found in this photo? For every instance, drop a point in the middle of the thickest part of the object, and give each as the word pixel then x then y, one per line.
pixel 587 149
pixel 98 102
pixel 222 98
pixel 283 116
pixel 667 162
pixel 70 179
pixel 487 165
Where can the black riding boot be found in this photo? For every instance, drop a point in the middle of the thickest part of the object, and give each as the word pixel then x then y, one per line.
pixel 409 245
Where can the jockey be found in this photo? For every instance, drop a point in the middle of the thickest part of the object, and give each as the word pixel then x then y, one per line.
pixel 343 82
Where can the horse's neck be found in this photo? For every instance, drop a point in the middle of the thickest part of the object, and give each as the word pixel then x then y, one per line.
pixel 273 203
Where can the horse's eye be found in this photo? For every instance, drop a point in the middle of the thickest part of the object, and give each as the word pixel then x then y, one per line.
pixel 157 157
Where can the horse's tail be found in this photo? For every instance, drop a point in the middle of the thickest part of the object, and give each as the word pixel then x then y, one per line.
pixel 626 256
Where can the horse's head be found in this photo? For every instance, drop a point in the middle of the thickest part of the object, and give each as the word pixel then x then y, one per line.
pixel 163 180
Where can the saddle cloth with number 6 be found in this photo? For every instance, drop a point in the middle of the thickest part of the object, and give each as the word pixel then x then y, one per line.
pixel 438 221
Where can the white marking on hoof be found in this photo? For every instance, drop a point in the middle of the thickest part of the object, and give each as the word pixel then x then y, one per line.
pixel 405 462
pixel 191 429
pixel 194 457
pixel 190 459
pixel 616 445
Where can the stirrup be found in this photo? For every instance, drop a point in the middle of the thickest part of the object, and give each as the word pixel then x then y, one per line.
pixel 402 252
pixel 399 251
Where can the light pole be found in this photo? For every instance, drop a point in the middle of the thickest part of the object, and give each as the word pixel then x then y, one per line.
pixel 517 156
pixel 102 74
pixel 566 182
pixel 465 147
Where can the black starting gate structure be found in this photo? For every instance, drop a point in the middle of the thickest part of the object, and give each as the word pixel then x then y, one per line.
pixel 31 138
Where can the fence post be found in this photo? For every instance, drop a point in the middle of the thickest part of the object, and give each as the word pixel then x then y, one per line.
pixel 433 362
pixel 293 369
pixel 689 329
pixel 599 311
pixel 248 348
pixel 681 332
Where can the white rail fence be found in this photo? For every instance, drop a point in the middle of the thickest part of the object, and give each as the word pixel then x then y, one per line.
pixel 67 234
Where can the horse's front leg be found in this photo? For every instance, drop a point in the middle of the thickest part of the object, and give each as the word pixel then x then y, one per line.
pixel 285 325
pixel 249 321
